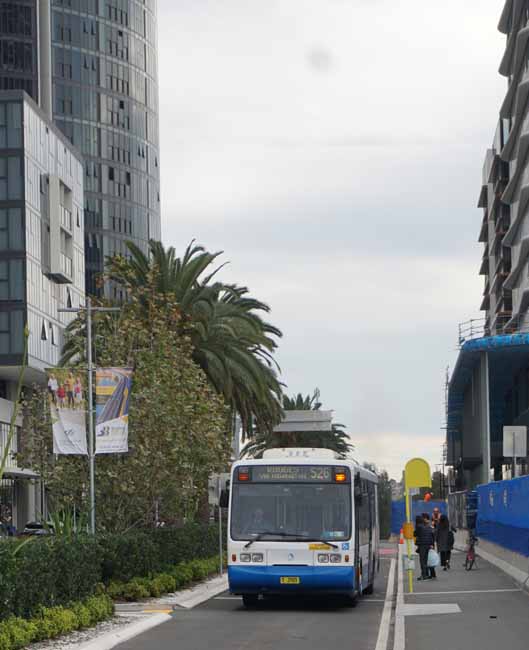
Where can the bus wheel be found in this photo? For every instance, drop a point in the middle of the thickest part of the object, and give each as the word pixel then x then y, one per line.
pixel 369 590
pixel 250 600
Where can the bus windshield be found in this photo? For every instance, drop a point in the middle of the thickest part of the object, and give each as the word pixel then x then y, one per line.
pixel 309 510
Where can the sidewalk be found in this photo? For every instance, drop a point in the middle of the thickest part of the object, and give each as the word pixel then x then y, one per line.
pixel 488 610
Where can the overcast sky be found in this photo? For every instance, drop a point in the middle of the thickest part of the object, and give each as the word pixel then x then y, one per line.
pixel 333 149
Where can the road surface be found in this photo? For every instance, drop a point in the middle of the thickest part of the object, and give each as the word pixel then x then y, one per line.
pixel 480 610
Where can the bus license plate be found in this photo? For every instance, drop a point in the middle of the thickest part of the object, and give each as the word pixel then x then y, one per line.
pixel 289 580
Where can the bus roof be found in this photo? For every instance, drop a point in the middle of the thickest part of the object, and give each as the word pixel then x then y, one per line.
pixel 306 456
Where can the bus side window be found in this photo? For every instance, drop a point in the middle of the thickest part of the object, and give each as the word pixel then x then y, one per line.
pixel 364 523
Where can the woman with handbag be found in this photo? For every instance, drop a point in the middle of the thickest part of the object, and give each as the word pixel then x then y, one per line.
pixel 425 541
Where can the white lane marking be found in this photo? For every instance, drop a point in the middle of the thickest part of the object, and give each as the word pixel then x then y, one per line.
pixel 385 621
pixel 399 636
pixel 470 591
pixel 429 610
pixel 227 598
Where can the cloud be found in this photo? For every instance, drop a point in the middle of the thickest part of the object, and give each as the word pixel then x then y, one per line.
pixel 334 151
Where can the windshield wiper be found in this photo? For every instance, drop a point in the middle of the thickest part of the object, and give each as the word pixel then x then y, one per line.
pixel 259 536
pixel 321 541
pixel 297 537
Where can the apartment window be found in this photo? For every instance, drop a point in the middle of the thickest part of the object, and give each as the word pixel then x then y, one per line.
pixel 43 332
pixel 10 125
pixel 51 329
pixel 11 280
pixel 68 298
pixel 11 332
pixel 10 178
pixel 11 235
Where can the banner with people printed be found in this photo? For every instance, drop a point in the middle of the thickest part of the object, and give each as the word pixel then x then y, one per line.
pixel 113 386
pixel 67 399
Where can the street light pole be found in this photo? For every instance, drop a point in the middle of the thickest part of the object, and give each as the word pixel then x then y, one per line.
pixel 91 443
pixel 91 437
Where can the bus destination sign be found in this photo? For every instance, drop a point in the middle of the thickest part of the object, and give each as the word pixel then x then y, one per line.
pixel 292 474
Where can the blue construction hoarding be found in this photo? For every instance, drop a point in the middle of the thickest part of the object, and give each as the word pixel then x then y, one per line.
pixel 503 514
pixel 398 512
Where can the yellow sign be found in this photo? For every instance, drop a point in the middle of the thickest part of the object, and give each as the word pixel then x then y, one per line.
pixel 289 580
pixel 408 530
pixel 319 547
pixel 417 474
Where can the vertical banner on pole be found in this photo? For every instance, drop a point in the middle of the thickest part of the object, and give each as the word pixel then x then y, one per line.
pixel 66 397
pixel 113 386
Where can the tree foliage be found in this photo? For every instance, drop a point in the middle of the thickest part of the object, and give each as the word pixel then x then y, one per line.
pixel 178 425
pixel 231 340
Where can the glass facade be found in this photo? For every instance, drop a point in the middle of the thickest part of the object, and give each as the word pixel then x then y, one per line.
pixel 105 100
pixel 104 84
pixel 18 46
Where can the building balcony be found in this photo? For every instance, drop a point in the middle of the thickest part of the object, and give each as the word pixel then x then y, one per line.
pixel 520 261
pixel 504 26
pixel 484 232
pixel 66 219
pixel 483 197
pixel 515 50
pixel 485 303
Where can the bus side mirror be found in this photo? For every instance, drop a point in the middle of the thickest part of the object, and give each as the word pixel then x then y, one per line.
pixel 224 499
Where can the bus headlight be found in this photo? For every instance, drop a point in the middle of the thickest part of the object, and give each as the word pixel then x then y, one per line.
pixel 323 558
pixel 257 557
pixel 335 558
pixel 246 557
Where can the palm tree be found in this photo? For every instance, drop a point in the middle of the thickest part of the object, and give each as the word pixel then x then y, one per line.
pixel 301 403
pixel 232 342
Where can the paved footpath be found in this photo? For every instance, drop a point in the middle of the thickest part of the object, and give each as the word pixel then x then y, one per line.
pixel 493 611
pixel 478 610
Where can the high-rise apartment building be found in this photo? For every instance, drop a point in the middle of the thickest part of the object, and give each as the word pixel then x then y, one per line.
pixel 92 67
pixel 505 190
pixel 41 266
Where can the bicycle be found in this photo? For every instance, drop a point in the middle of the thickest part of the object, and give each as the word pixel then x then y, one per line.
pixel 470 557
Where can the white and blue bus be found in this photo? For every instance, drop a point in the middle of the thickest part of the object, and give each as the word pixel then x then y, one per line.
pixel 302 521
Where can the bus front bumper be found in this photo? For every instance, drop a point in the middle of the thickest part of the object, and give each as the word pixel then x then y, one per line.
pixel 312 580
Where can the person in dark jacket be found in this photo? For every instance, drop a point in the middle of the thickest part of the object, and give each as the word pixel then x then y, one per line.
pixel 445 541
pixel 425 540
pixel 431 525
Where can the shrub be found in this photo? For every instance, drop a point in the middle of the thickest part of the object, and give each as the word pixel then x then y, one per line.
pixel 53 572
pixel 84 618
pixel 18 632
pixel 51 622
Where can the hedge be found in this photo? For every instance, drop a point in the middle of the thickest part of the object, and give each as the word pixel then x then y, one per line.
pixel 16 633
pixel 48 572
pixel 51 622
pixel 172 579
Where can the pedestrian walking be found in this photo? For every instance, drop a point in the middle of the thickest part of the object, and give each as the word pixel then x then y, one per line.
pixel 69 384
pixel 425 540
pixel 436 517
pixel 61 396
pixel 53 387
pixel 445 541
pixel 429 524
pixel 78 390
